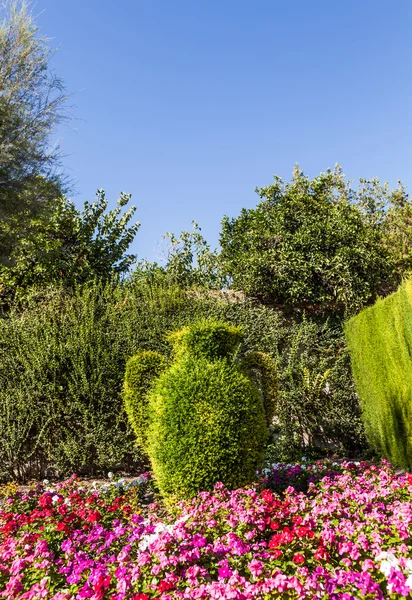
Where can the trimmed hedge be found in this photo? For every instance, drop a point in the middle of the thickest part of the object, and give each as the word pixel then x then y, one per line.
pixel 380 342
pixel 141 370
pixel 207 418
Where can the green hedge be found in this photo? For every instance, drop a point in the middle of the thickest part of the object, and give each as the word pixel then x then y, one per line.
pixel 380 342
pixel 141 370
pixel 207 417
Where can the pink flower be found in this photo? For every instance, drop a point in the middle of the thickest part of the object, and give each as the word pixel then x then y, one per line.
pixel 255 567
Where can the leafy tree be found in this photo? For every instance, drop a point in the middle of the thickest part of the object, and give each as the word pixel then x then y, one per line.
pixel 307 243
pixel 32 100
pixel 71 246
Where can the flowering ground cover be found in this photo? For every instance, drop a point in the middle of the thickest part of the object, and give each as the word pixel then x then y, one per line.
pixel 341 532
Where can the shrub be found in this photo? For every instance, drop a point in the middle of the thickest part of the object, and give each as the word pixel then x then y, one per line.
pixel 61 377
pixel 207 417
pixel 380 342
pixel 141 369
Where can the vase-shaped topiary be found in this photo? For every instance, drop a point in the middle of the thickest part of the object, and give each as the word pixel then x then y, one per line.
pixel 204 418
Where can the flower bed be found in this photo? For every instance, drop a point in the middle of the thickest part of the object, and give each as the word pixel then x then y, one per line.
pixel 348 536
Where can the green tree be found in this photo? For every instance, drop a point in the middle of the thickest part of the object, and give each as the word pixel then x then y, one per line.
pixel 307 243
pixel 32 101
pixel 70 246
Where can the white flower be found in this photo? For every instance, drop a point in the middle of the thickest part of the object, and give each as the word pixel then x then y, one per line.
pixel 389 561
pixel 46 481
pixel 110 475
pixel 55 498
pixel 408 566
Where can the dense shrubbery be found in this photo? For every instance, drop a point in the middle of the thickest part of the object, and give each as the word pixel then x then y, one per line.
pixel 64 357
pixel 380 339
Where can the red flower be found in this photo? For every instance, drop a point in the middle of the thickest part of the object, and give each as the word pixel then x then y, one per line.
pixel 276 553
pixel 287 535
pixel 62 527
pixel 321 554
pixel 94 516
pixel 298 559
pixel 274 525
pixel 164 586
pixel 45 500
pixel 140 597
pixel 276 540
pixel 304 531
pixel 267 496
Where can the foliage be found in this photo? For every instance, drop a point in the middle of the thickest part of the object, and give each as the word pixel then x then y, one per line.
pixel 397 235
pixel 318 405
pixel 347 537
pixel 68 246
pixel 206 339
pixel 307 243
pixel 60 404
pixel 141 369
pixel 380 339
pixel 207 420
pixel 189 262
pixel 61 375
pixel 260 365
pixel 32 101
pixel 64 357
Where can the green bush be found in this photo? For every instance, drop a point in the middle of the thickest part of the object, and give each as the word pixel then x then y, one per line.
pixel 380 342
pixel 207 417
pixel 318 405
pixel 141 369
pixel 61 376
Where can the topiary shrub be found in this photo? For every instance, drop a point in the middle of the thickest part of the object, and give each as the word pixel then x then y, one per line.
pixel 141 369
pixel 207 417
pixel 380 344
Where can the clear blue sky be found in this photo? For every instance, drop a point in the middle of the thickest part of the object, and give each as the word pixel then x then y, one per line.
pixel 191 104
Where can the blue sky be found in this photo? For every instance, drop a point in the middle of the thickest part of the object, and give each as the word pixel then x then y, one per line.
pixel 191 104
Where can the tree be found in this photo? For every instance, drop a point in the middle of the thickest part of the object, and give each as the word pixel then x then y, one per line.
pixel 32 100
pixel 308 243
pixel 70 246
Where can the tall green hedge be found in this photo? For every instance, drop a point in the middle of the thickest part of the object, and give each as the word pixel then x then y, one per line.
pixel 380 342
